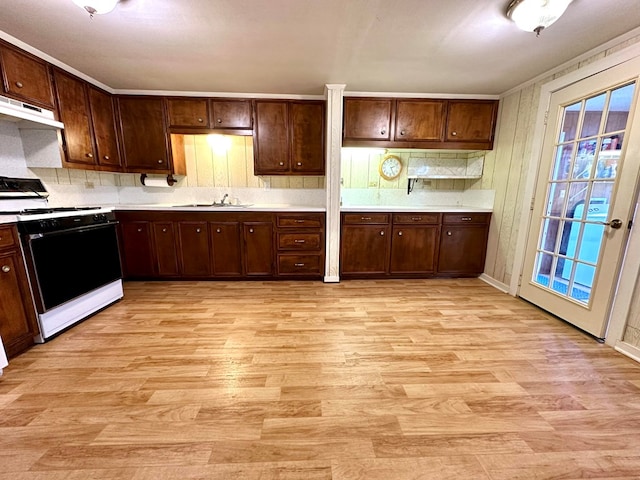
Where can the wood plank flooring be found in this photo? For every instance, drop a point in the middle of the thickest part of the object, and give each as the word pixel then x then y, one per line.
pixel 388 380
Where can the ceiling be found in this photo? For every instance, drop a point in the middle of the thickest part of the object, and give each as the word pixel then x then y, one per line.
pixel 298 46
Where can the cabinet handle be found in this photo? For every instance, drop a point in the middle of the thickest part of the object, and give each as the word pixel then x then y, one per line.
pixel 400 233
pixel 106 157
pixel 19 84
pixel 200 120
pixel 453 134
pixel 6 268
pixel 402 132
pixel 416 219
pixel 219 120
pixel 449 233
pixel 299 221
pixel 89 155
pixel 382 233
pixel 251 230
pixel 365 218
pixel 218 230
pixel 298 241
pixel 160 161
pixel 299 264
pixel 281 164
pixel 466 219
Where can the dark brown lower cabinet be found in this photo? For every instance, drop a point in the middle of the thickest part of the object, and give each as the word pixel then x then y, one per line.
pixel 194 249
pixel 18 323
pixel 136 249
pixel 463 243
pixel 258 248
pixel 365 249
pixel 226 251
pixel 166 252
pixel 413 249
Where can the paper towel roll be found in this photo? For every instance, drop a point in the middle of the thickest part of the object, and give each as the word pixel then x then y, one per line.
pixel 156 181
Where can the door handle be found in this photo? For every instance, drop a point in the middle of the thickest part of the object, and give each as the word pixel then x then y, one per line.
pixel 615 223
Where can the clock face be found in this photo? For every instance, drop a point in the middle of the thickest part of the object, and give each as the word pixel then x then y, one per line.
pixel 390 167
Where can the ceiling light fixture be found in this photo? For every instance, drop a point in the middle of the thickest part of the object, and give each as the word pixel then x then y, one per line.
pixel 536 15
pixel 96 6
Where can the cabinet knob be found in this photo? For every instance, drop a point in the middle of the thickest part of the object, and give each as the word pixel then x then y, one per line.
pixel 200 120
pixel 160 161
pixel 218 230
pixel 281 164
pixel 400 233
pixel 106 157
pixel 19 84
pixel 383 131
pixel 6 268
pixel 449 233
pixel 299 164
pixel 89 155
pixel 164 230
pixel 140 229
pixel 382 233
pixel 197 230
pixel 219 120
pixel 251 230
pixel 453 134
pixel 402 132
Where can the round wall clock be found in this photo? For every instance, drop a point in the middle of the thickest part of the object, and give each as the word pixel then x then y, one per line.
pixel 390 167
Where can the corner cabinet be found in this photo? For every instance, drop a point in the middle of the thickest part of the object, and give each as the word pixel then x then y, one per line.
pixel 18 324
pixel 146 143
pixel 413 244
pixel 419 123
pixel 289 137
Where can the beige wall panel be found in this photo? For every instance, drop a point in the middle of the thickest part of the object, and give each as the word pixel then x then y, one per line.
pixel 204 162
pixel 190 160
pixel 237 162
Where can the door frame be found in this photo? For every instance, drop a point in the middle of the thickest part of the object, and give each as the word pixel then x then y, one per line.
pixel 631 262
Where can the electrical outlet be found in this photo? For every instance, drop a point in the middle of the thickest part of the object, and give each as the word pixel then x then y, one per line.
pixel 89 185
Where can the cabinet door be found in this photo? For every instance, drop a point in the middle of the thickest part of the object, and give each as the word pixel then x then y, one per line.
pixel 307 137
pixel 194 249
pixel 462 249
pixel 471 120
pixel 104 129
pixel 188 112
pixel 413 249
pixel 136 249
pixel 26 77
pixel 144 141
pixel 17 318
pixel 166 251
pixel 258 248
pixel 364 249
pixel 73 104
pixel 420 120
pixel 226 256
pixel 231 114
pixel 367 119
pixel 271 144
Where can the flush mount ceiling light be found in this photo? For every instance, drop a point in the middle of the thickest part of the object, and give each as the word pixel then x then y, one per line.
pixel 536 15
pixel 96 6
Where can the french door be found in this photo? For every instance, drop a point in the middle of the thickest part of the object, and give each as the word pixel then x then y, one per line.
pixel 584 198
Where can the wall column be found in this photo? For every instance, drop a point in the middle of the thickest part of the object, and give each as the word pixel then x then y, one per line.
pixel 334 94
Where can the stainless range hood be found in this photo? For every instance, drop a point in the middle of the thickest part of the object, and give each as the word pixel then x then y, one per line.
pixel 27 116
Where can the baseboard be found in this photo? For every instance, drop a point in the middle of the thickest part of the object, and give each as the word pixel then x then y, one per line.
pixel 331 279
pixel 628 350
pixel 494 283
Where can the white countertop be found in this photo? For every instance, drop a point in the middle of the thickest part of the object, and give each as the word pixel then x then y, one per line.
pixel 263 207
pixel 414 208
pixel 8 219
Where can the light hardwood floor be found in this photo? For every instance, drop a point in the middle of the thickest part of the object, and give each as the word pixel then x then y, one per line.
pixel 389 380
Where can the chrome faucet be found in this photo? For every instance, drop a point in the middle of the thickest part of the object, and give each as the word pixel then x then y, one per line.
pixel 224 198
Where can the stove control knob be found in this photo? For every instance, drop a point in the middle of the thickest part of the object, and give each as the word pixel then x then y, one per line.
pixel 100 217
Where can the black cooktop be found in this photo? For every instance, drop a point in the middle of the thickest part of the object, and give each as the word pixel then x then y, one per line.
pixel 41 211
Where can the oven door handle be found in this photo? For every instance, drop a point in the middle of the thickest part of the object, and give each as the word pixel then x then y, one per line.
pixel 84 228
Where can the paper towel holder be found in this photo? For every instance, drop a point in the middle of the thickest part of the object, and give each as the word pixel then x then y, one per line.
pixel 170 180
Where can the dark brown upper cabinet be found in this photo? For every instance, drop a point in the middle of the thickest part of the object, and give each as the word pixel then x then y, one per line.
pixel 89 136
pixel 289 137
pixel 146 144
pixel 202 115
pixel 188 112
pixel 419 123
pixel 26 77
pixel 232 115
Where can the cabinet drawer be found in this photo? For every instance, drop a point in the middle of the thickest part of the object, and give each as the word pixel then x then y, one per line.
pixel 7 237
pixel 300 221
pixel 299 241
pixel 299 264
pixel 365 218
pixel 449 218
pixel 420 218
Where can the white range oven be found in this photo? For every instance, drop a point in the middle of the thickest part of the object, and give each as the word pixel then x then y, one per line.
pixel 72 259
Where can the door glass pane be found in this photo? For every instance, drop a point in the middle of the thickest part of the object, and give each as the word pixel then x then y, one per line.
pixel 582 181
pixel 570 122
pixel 593 115
pixel 563 162
pixel 619 106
